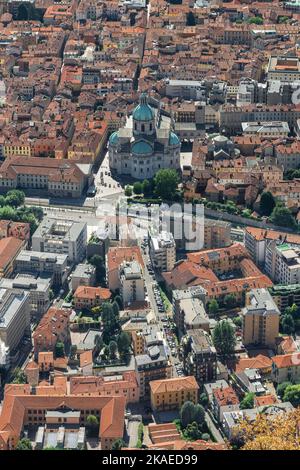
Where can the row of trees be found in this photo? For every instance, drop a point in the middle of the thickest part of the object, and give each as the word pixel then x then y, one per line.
pixel 113 340
pixel 164 185
pixel 229 302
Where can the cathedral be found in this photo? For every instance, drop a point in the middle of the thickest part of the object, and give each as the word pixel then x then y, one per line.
pixel 145 144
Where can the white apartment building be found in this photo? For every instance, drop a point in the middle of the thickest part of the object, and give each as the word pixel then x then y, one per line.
pixel 163 251
pixel 63 237
pixel 283 263
pixel 132 282
pixel 14 316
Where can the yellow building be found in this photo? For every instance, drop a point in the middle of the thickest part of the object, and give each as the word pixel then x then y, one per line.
pixel 260 319
pixel 170 394
pixel 17 148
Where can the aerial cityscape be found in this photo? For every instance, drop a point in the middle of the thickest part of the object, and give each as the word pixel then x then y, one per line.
pixel 149 226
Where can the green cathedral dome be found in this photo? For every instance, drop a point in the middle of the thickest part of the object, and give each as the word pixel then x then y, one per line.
pixel 143 112
pixel 114 138
pixel 174 139
pixel 141 148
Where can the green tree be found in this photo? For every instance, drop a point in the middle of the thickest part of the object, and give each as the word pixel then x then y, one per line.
pixel 113 347
pixel 292 310
pixel 110 320
pixel 199 414
pixel 292 394
pixel 24 444
pixel 281 388
pixel 19 376
pixel 92 424
pixel 256 20
pixel 238 321
pixel 147 188
pixel 116 310
pixel 187 413
pixel 205 436
pixel 119 301
pixel 15 198
pixel 96 310
pixel 192 432
pixel 98 262
pixel 118 444
pixel 224 338
pixel 213 307
pixel 283 217
pixel 203 399
pixel 98 342
pixel 124 342
pixel 128 191
pixel 166 182
pixel 287 324
pixel 248 401
pixel 59 349
pixel 229 300
pixel 267 203
pixel 137 187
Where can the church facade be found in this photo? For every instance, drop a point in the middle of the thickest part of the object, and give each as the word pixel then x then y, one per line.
pixel 145 144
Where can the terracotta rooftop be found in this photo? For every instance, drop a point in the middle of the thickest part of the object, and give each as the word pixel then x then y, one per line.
pixel 176 384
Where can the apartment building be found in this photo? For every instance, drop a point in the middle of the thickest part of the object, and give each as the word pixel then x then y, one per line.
pixel 152 363
pixel 286 368
pixel 224 400
pixel 89 297
pixel 256 240
pixel 282 263
pixel 115 257
pixel 199 356
pixel 260 319
pixel 53 327
pixel 216 234
pixel 38 288
pixel 220 272
pixel 123 384
pixel 163 251
pixel 186 89
pixel 14 316
pixel 189 313
pixel 171 394
pixel 132 282
pixel 10 247
pixel 178 295
pixel 83 275
pixel 39 263
pixel 62 237
pixel 285 295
